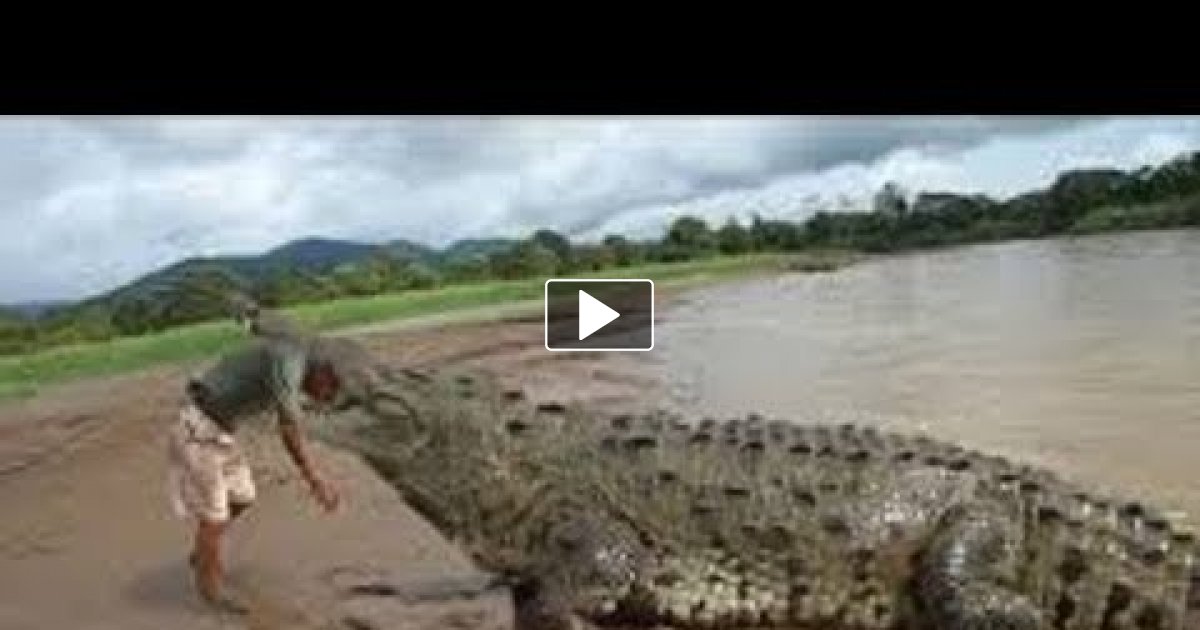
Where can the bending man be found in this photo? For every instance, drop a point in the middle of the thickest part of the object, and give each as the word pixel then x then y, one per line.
pixel 210 478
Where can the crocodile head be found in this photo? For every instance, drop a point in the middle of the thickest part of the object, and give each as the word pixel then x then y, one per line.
pixel 425 431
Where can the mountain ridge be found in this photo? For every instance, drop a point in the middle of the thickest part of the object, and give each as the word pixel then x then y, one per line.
pixel 308 254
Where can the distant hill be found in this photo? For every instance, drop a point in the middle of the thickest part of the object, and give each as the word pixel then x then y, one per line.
pixel 186 289
pixel 410 251
pixel 474 248
pixel 312 254
pixel 29 310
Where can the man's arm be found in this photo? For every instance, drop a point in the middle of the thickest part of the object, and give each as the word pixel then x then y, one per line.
pixel 293 440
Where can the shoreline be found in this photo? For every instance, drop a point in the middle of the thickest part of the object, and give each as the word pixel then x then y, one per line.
pixel 739 267
pixel 30 376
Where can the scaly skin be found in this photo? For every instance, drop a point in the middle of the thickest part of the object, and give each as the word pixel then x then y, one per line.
pixel 647 520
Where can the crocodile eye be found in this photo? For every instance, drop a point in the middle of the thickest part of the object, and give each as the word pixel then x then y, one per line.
pixel 551 407
pixel 800 449
pixel 640 442
pixel 859 456
pixel 1133 510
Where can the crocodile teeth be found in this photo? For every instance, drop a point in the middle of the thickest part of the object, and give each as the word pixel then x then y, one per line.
pixel 705 617
pixel 680 611
pixel 826 607
pixel 749 609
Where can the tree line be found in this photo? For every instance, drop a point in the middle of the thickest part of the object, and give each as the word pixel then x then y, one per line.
pixel 1078 202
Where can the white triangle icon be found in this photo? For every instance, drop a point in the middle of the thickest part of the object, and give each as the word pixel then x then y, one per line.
pixel 593 315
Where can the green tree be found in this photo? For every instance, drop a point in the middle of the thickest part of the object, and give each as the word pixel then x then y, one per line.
pixel 625 252
pixel 732 238
pixel 889 201
pixel 198 294
pixel 774 235
pixel 133 317
pixel 356 279
pixel 818 230
pixel 17 334
pixel 594 257
pixel 468 269
pixel 295 286
pixel 415 275
pixel 689 237
pixel 527 259
pixel 554 242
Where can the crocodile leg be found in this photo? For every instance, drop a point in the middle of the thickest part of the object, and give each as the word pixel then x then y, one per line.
pixel 964 575
pixel 540 605
pixel 592 575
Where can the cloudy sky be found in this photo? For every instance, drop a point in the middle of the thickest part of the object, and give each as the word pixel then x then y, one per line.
pixel 90 203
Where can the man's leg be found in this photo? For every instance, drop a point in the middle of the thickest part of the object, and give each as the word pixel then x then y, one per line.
pixel 229 491
pixel 238 494
pixel 207 558
pixel 211 484
pixel 235 510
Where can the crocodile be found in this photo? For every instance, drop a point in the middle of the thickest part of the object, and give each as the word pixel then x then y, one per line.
pixel 639 519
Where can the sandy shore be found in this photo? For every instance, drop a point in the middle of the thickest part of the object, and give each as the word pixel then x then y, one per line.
pixel 88 541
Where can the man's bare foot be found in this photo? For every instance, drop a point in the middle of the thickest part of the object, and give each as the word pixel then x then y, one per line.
pixel 225 602
pixel 229 604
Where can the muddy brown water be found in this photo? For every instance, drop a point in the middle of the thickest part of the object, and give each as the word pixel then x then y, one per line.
pixel 1079 353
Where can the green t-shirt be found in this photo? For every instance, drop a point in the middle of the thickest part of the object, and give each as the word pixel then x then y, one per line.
pixel 266 375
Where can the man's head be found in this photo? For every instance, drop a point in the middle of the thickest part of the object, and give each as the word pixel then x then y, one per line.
pixel 321 382
pixel 340 373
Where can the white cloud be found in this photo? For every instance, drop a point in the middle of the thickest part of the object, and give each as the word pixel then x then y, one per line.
pixel 95 202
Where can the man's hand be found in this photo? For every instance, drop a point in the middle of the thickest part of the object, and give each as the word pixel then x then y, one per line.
pixel 325 494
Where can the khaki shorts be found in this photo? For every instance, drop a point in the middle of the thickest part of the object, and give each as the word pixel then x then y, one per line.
pixel 207 470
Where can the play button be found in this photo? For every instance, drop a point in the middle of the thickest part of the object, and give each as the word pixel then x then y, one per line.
pixel 595 314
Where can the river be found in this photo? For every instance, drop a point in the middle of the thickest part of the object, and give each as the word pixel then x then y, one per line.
pixel 1082 354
